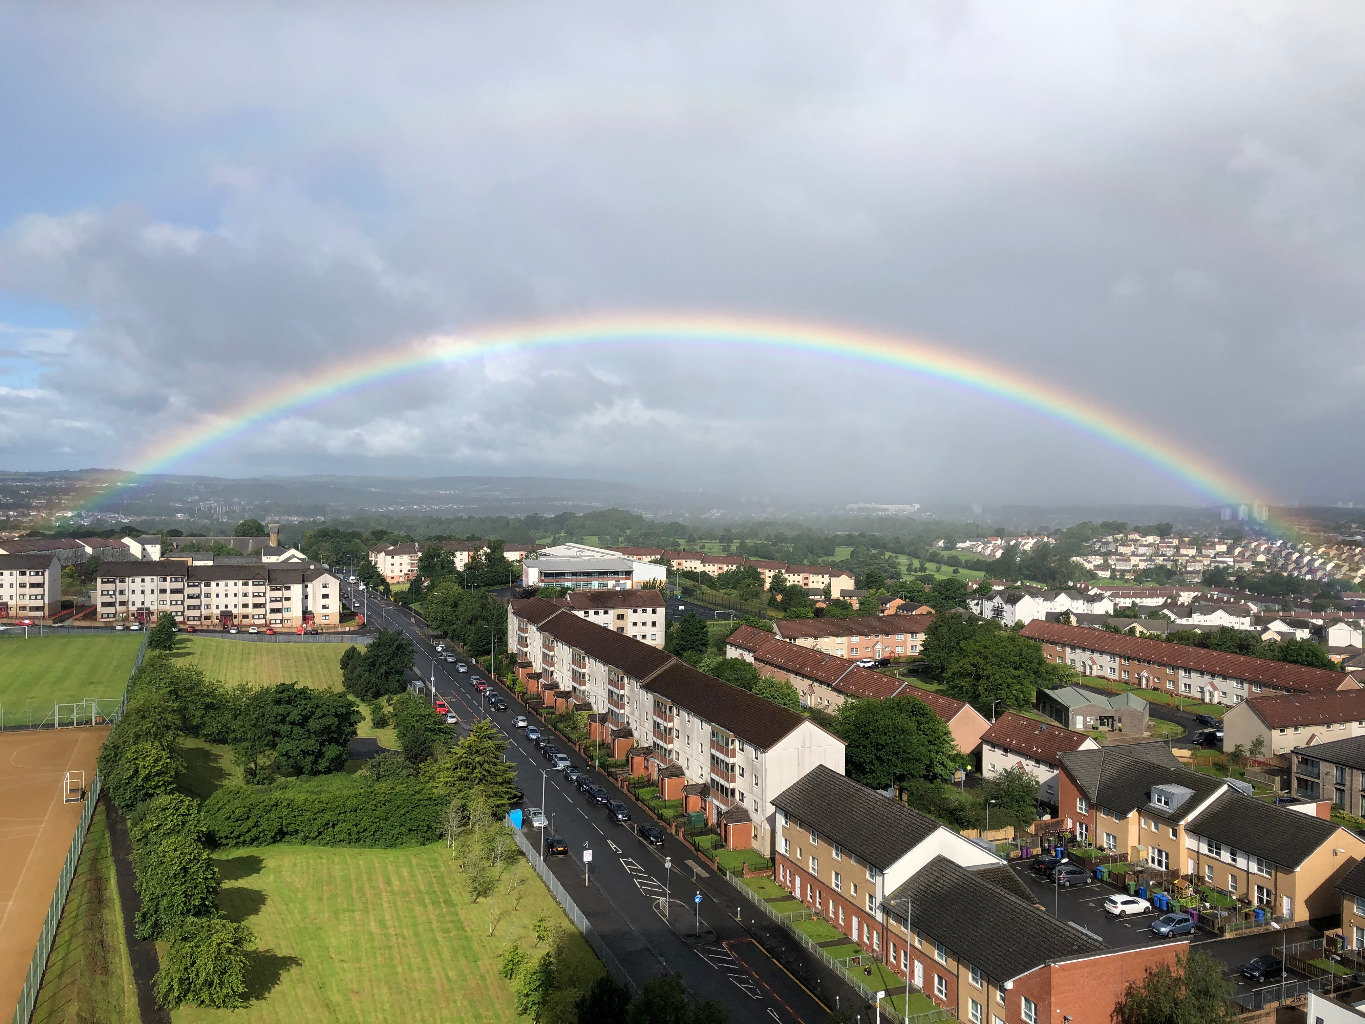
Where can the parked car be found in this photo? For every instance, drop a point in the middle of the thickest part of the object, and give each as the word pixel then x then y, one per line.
pixel 452 718
pixel 571 773
pixel 1209 721
pixel 532 733
pixel 598 795
pixel 520 722
pixel 1067 875
pixel 268 632
pixel 441 707
pixel 652 834
pixel 1044 863
pixel 481 686
pixel 560 761
pixel 537 817
pixel 1205 738
pixel 1264 968
pixel 498 704
pixel 253 629
pixel 617 811
pixel 232 630
pixel 441 647
pixel 556 847
pixel 1173 924
pixel 1122 905
pixel 584 783
pixel 450 658
pixel 548 750
pixel 867 662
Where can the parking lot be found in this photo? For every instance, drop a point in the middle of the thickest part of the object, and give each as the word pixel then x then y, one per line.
pixel 1083 905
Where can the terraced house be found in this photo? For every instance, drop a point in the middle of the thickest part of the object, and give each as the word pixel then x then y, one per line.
pixel 729 747
pixel 1209 676
pixel 1139 800
pixel 286 595
pixel 860 636
pixel 941 911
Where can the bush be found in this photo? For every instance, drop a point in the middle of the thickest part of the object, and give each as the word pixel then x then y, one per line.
pixel 140 772
pixel 421 731
pixel 165 817
pixel 388 765
pixel 204 964
pixel 335 810
pixel 176 879
pixel 379 716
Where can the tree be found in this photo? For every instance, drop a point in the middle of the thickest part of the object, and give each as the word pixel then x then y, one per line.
pixel 662 1001
pixel 421 729
pixel 162 635
pixel 1193 992
pixel 141 771
pixel 176 879
pixel 309 731
pixel 947 592
pixel 780 692
pixel 1304 652
pixel 1015 793
pixel 380 668
pixel 204 964
pixel 476 764
pixel 249 528
pixel 435 564
pixel 892 741
pixel 944 639
pixel 998 666
pixel 172 814
pixel 691 637
pixel 736 672
pixel 606 1002
pixel 533 986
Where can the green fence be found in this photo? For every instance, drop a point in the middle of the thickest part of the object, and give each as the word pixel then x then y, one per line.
pixel 33 981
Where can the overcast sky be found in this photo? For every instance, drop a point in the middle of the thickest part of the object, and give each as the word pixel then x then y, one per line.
pixel 1159 206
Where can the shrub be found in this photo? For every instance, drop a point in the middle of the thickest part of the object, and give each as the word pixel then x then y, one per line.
pixel 331 810
pixel 388 765
pixel 176 879
pixel 137 773
pixel 379 716
pixel 172 814
pixel 204 964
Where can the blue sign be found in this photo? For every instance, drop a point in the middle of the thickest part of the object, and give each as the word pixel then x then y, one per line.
pixel 515 818
pixel 696 898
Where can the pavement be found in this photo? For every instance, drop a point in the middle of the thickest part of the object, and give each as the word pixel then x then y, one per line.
pixel 627 882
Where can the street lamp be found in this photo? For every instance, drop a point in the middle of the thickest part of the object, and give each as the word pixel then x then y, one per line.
pixel 880 996
pixel 543 775
pixel 993 704
pixel 988 818
pixel 668 873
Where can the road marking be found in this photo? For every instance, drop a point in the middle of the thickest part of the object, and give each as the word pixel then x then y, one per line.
pixel 599 828
pixel 614 847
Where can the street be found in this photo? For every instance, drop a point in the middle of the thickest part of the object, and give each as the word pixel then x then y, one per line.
pixel 628 879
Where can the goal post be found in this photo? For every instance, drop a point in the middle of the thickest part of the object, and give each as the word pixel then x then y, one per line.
pixel 73 787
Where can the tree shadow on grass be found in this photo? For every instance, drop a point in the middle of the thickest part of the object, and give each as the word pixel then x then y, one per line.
pixel 238 903
pixel 264 969
pixel 243 865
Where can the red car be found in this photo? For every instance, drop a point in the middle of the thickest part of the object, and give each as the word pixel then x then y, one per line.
pixel 269 632
pixel 189 629
pixel 441 707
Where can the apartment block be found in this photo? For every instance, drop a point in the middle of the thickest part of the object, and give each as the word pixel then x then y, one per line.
pixel 637 613
pixel 861 636
pixel 736 749
pixel 1015 741
pixel 286 595
pixel 1332 771
pixel 1209 676
pixel 397 563
pixel 30 586
pixel 1285 721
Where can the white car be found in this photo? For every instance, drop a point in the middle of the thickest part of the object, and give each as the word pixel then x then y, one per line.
pixel 537 817
pixel 441 648
pixel 1122 905
pixel 520 723
pixel 452 718
pixel 559 761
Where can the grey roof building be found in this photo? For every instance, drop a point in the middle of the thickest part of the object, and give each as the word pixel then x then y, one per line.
pixel 1084 710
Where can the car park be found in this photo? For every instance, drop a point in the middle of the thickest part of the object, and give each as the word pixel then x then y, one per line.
pixel 1173 924
pixel 520 722
pixel 532 733
pixel 617 811
pixel 652 834
pixel 556 847
pixel 1067 875
pixel 1263 968
pixel 1122 905
pixel 537 817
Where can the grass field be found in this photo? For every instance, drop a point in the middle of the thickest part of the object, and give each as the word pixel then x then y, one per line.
pixel 370 936
pixel 88 975
pixel 265 664
pixel 41 671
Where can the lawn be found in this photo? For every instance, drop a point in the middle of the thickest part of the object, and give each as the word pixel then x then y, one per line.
pixel 89 977
pixel 369 936
pixel 817 929
pixel 734 860
pixel 765 887
pixel 1163 730
pixel 208 767
pixel 41 671
pixel 265 664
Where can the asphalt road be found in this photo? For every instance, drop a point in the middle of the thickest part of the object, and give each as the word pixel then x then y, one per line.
pixel 627 879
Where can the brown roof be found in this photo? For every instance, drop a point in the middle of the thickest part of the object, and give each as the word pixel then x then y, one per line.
pixel 751 718
pixel 857 625
pixel 535 610
pixel 1282 710
pixel 28 561
pixel 1040 740
pixel 636 659
pixel 38 545
pixel 588 599
pixel 1233 666
pixel 748 638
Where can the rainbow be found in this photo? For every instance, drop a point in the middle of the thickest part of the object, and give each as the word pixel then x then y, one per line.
pixel 930 361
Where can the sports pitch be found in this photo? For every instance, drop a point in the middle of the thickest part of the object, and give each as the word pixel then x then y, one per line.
pixel 36 828
pixel 265 664
pixel 41 671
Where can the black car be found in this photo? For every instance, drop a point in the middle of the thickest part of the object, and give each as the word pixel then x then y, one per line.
pixel 1208 721
pixel 499 704
pixel 1206 738
pixel 1263 968
pixel 598 795
pixel 652 834
pixel 541 741
pixel 618 811
pixel 556 846
pixel 1044 863
pixel 548 751
pixel 584 783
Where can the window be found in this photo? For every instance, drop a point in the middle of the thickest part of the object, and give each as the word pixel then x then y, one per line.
pixel 940 986
pixel 786 819
pixel 871 903
pixel 838 882
pixel 786 846
pixel 1232 883
pixel 814 838
pixel 1208 873
pixel 838 852
pixel 1029 1011
pixel 940 952
pixel 814 866
pixel 1082 805
pixel 1214 848
pixel 1111 842
pixel 1160 859
pixel 975 974
pixel 1360 905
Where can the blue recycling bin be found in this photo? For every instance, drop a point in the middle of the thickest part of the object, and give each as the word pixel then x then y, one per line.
pixel 1260 915
pixel 1099 872
pixel 1142 891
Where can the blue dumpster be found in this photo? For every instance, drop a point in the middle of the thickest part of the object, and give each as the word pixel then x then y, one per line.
pixel 1162 901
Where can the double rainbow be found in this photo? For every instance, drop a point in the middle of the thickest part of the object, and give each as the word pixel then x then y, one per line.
pixel 933 362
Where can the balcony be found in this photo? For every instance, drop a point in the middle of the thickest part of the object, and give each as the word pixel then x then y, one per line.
pixel 1309 770
pixel 726 750
pixel 664 736
pixel 614 702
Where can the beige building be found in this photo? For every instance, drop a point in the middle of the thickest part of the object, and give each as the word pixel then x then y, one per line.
pixel 287 595
pixel 397 563
pixel 1285 721
pixel 1016 741
pixel 637 613
pixel 859 637
pixel 30 586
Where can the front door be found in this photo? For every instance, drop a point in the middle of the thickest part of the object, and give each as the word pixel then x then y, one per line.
pixel 919 975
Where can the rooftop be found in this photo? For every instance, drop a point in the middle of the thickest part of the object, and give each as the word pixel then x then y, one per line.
pixel 857 625
pixel 1286 837
pixel 1041 740
pixel 1285 710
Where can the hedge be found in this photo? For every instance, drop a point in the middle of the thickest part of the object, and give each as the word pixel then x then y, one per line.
pixel 329 810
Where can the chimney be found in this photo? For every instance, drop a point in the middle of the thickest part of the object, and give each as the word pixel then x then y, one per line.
pixel 274 529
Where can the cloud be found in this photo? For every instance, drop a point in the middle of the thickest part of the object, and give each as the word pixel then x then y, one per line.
pixel 1156 207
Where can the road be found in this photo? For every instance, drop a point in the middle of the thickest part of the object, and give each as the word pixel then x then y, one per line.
pixel 628 879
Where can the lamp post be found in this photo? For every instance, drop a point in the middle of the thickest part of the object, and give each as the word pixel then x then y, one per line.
pixel 668 877
pixel 993 704
pixel 881 994
pixel 988 819
pixel 543 775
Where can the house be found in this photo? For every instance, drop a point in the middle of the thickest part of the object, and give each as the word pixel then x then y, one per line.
pixel 1352 890
pixel 67 550
pixel 397 563
pixel 860 636
pixel 147 548
pixel 1025 604
pixel 1332 771
pixel 1211 616
pixel 1285 721
pixel 1087 710
pixel 287 594
pixel 583 567
pixel 736 748
pixel 1209 676
pixel 825 682
pixel 1015 741
pixel 30 586
pixel 637 613
pixel 1139 801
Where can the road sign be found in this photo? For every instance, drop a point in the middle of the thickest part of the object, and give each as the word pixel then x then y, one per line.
pixel 587 856
pixel 696 898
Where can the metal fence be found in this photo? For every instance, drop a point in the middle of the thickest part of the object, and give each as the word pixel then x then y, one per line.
pixel 840 966
pixel 28 997
pixel 1283 992
pixel 575 915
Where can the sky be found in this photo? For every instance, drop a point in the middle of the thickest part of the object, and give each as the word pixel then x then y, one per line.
pixel 1157 207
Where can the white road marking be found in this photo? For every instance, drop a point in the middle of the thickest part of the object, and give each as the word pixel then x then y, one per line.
pixel 614 847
